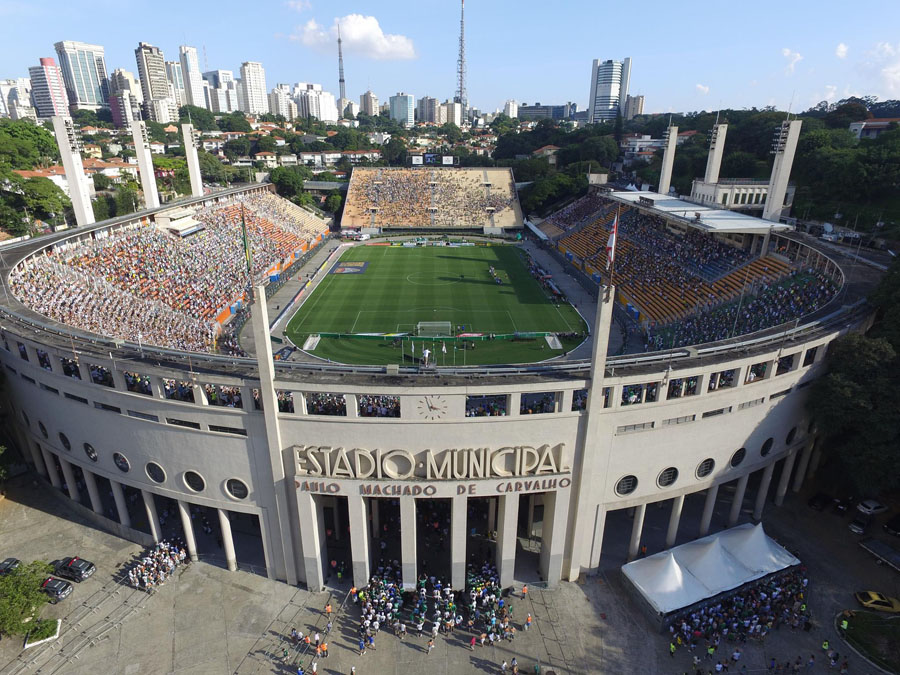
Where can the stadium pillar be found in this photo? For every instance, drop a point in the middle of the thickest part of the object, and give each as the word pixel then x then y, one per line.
pixel 36 457
pixel 145 164
pixel 492 514
pixel 188 527
pixel 599 527
pixel 121 504
pixel 804 463
pixel 69 475
pixel 376 527
pixel 674 520
pixel 152 517
pixel 531 498
pixel 70 152
pixel 408 533
pixel 785 146
pixel 359 540
pixel 738 500
pixel 506 538
pixel 582 507
pixel 553 535
pixel 665 174
pixel 785 477
pixel 708 506
pixel 93 492
pixel 763 491
pixel 280 521
pixel 310 540
pixel 458 542
pixel 193 162
pixel 51 469
pixel 637 527
pixel 227 540
pixel 716 149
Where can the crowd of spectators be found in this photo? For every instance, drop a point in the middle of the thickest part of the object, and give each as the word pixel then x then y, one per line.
pixel 577 212
pixel 157 565
pixel 229 397
pixel 383 405
pixel 318 403
pixel 486 406
pixel 536 404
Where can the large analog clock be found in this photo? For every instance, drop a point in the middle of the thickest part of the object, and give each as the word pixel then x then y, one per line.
pixel 432 407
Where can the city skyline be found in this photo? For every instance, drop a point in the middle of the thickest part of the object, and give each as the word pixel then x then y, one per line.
pixel 393 51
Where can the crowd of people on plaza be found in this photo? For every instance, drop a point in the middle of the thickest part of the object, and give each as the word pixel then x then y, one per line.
pixel 143 284
pixel 445 197
pixel 157 565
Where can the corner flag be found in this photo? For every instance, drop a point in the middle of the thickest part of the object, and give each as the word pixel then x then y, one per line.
pixel 444 347
pixel 247 255
pixel 611 242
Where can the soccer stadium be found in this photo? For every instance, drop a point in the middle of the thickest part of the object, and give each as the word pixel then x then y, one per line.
pixel 631 349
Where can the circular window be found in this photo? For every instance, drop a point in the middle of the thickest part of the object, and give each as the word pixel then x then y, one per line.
pixel 706 467
pixel 236 488
pixel 25 417
pixel 194 481
pixel 626 485
pixel 155 472
pixel 90 452
pixel 122 462
pixel 43 429
pixel 65 441
pixel 667 477
pixel 790 436
pixel 766 447
pixel 738 457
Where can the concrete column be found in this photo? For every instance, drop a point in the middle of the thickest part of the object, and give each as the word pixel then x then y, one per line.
pixel 665 174
pixel 637 527
pixel 738 500
pixel 188 527
pixel 508 519
pixel 359 542
pixel 376 527
pixel 67 140
pixel 121 506
pixel 716 149
pixel 336 518
pixel 36 457
pixel 804 463
pixel 492 514
pixel 408 541
pixel 531 498
pixel 786 144
pixel 708 507
pixel 93 492
pixel 51 468
pixel 145 164
pixel 763 491
pixel 552 535
pixel 193 162
pixel 458 532
pixel 352 403
pixel 674 519
pixel 227 540
pixel 599 527
pixel 785 478
pixel 310 540
pixel 814 461
pixel 70 480
pixel 152 516
pixel 157 386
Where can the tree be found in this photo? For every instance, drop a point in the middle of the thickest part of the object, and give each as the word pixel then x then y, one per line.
pixel 26 145
pixel 234 122
pixel 237 147
pixel 288 180
pixel 101 182
pixel 843 115
pixel 156 131
pixel 451 132
pixel 201 118
pixel 333 202
pixel 265 144
pixel 21 597
pixel 126 200
pixel 394 152
pixel 618 130
pixel 101 206
pixel 3 470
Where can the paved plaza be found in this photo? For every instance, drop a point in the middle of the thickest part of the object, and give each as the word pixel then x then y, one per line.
pixel 209 620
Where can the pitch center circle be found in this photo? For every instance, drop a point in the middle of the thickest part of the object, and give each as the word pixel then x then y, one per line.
pixel 425 279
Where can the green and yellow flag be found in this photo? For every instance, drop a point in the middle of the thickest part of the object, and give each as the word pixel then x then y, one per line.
pixel 247 255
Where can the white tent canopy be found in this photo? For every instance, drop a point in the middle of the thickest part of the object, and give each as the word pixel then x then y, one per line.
pixel 701 569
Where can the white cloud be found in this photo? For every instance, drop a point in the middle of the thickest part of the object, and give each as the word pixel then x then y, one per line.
pixel 299 5
pixel 702 88
pixel 361 35
pixel 793 59
pixel 883 63
pixel 830 92
pixel 841 50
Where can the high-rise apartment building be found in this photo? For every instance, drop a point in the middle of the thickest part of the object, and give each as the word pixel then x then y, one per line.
pixel 83 68
pixel 253 88
pixel 450 112
pixel 159 104
pixel 15 99
pixel 48 92
pixel 511 109
pixel 125 98
pixel 426 109
pixel 609 89
pixel 193 78
pixel 634 106
pixel 124 80
pixel 281 102
pixel 368 103
pixel 403 108
pixel 313 102
pixel 176 81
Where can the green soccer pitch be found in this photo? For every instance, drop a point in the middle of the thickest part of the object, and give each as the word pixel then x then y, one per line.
pixel 399 287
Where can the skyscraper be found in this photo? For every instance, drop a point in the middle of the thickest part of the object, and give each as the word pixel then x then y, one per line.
pixel 403 107
pixel 609 89
pixel 125 97
pixel 281 102
pixel 159 106
pixel 368 103
pixel 634 105
pixel 193 78
pixel 124 80
pixel 253 83
pixel 426 109
pixel 511 109
pixel 176 80
pixel 313 102
pixel 83 69
pixel 48 90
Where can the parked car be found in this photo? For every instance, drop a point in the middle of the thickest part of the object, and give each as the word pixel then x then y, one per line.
pixel 57 589
pixel 860 523
pixel 877 601
pixel 820 501
pixel 843 505
pixel 871 507
pixel 9 565
pixel 893 526
pixel 76 569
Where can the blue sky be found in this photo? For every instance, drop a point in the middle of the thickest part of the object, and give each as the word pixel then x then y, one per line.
pixel 702 55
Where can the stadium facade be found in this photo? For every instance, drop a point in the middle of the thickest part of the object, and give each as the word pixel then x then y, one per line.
pixel 624 432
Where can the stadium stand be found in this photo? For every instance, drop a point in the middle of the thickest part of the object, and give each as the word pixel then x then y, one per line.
pixel 440 198
pixel 141 283
pixel 570 217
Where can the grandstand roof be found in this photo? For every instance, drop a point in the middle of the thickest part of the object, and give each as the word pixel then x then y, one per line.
pixel 698 215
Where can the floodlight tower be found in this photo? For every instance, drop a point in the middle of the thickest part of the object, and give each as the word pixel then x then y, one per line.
pixel 461 63
pixel 341 69
pixel 193 162
pixel 784 145
pixel 665 174
pixel 69 142
pixel 145 164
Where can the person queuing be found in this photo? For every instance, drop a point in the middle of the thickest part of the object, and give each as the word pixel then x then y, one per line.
pixel 157 565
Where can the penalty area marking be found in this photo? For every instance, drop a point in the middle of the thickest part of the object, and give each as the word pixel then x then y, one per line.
pixel 409 279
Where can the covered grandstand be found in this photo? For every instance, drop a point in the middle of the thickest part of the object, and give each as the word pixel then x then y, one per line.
pixel 393 198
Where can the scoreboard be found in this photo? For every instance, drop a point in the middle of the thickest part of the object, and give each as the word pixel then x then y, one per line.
pixel 433 159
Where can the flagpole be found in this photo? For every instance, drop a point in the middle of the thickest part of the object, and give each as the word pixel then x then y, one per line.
pixel 612 270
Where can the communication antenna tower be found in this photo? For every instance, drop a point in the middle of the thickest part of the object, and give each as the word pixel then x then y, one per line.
pixel 341 67
pixel 461 62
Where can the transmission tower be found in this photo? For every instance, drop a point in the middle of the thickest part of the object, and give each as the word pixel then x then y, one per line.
pixel 461 63
pixel 341 67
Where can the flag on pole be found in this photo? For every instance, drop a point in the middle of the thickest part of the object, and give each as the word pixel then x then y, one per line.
pixel 247 254
pixel 444 347
pixel 611 242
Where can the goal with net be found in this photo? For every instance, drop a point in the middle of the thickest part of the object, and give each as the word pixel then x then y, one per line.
pixel 434 329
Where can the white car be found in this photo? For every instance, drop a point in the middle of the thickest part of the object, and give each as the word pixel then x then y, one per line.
pixel 871 507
